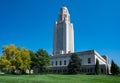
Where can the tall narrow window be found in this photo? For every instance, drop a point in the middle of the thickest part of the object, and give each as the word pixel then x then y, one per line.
pixel 89 60
pixel 81 61
pixel 64 62
pixel 52 63
pixel 60 62
pixel 56 62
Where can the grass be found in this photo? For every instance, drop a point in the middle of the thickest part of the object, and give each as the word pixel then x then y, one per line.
pixel 55 78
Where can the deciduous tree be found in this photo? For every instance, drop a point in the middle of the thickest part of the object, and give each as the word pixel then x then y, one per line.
pixel 15 58
pixel 43 60
pixel 33 60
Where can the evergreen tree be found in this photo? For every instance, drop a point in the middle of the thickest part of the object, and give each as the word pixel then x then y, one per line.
pixel 114 68
pixel 74 64
pixel 97 67
pixel 119 69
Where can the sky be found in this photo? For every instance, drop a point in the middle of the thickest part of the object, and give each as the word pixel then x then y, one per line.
pixel 30 24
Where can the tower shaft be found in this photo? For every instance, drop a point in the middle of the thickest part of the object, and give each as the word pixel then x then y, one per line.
pixel 63 34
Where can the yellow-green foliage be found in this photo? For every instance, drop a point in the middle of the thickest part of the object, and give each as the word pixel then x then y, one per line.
pixel 15 57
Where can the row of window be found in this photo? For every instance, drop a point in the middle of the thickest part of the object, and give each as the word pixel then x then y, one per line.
pixel 90 70
pixel 60 62
pixel 64 63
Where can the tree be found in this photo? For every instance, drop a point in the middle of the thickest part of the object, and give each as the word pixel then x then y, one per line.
pixel 119 69
pixel 33 59
pixel 15 58
pixel 74 64
pixel 97 67
pixel 25 59
pixel 114 68
pixel 6 58
pixel 43 60
pixel 4 63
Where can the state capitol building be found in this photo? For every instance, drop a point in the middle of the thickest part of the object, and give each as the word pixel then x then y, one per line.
pixel 63 47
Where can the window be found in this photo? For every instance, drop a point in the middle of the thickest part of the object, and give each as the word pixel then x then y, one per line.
pixel 64 62
pixel 56 62
pixel 82 70
pixel 85 70
pixel 91 70
pixel 102 70
pixel 52 63
pixel 81 61
pixel 89 60
pixel 60 62
pixel 88 70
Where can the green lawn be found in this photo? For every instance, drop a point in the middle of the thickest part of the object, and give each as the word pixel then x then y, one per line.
pixel 51 78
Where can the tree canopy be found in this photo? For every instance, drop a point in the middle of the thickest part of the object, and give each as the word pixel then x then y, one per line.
pixel 15 58
pixel 33 59
pixel 114 68
pixel 74 64
pixel 42 60
pixel 97 67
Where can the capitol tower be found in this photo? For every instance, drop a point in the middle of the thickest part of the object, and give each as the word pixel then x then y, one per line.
pixel 63 49
pixel 63 42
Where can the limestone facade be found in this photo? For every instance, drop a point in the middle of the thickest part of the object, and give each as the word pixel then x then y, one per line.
pixel 63 34
pixel 59 63
pixel 63 47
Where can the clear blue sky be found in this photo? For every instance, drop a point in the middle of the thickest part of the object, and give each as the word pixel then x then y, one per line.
pixel 30 23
